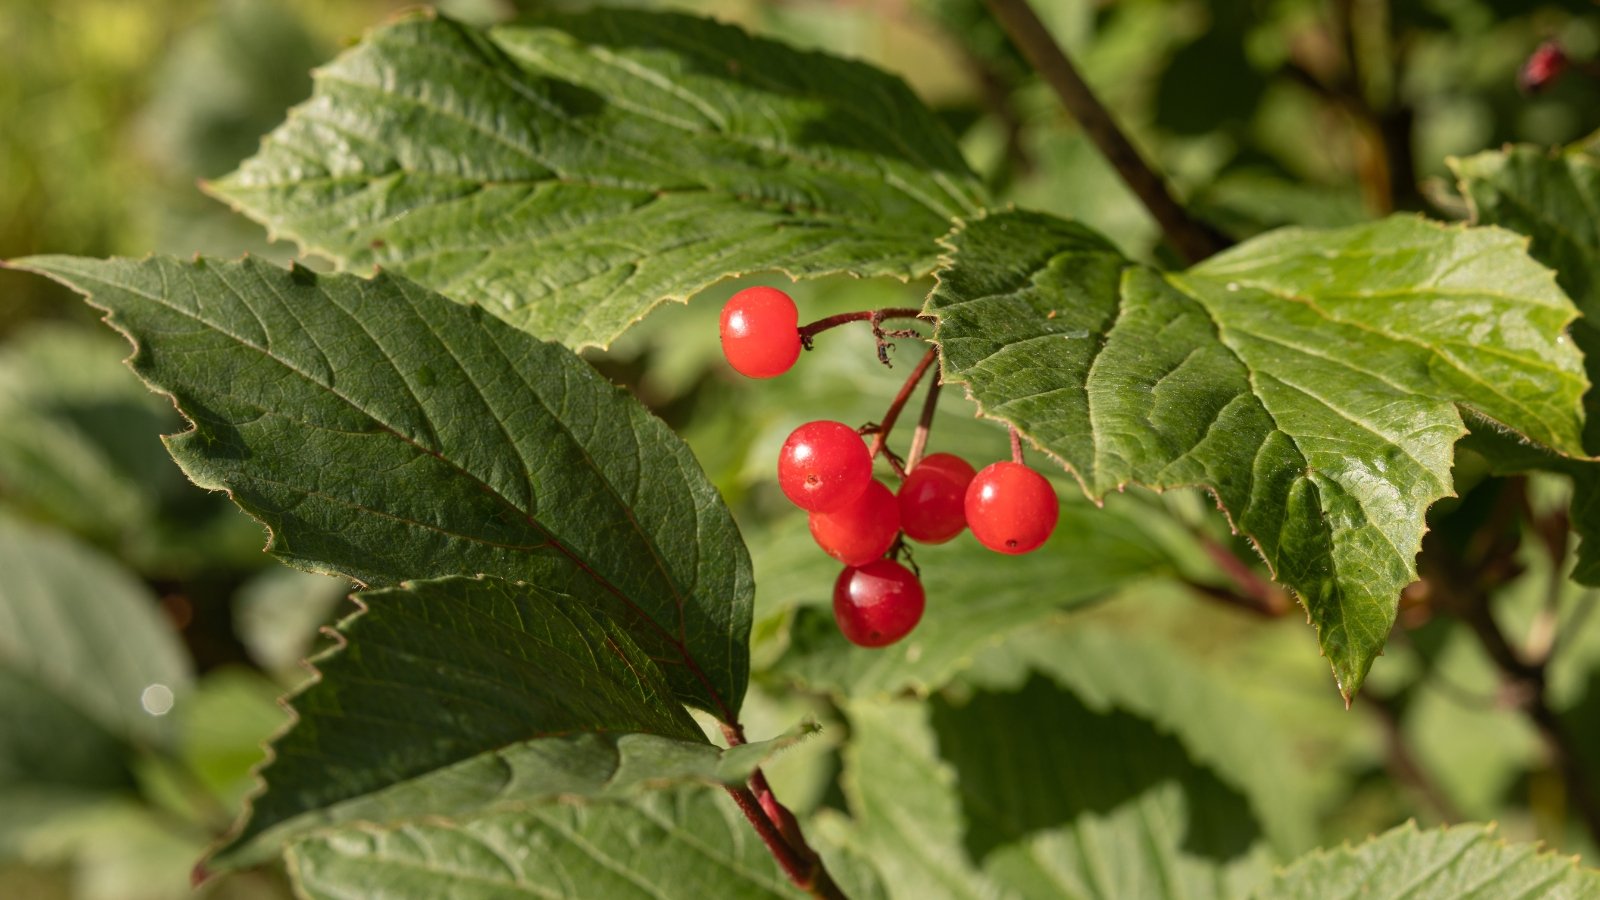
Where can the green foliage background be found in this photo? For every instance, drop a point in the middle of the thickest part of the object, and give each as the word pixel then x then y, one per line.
pixel 116 109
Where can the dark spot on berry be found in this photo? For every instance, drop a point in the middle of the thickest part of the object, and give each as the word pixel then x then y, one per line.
pixel 1011 543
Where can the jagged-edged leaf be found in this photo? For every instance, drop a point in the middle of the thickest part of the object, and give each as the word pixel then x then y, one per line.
pixel 1465 862
pixel 572 172
pixel 1313 380
pixel 463 695
pixel 687 844
pixel 1553 197
pixel 88 666
pixel 384 432
pixel 1031 793
pixel 975 598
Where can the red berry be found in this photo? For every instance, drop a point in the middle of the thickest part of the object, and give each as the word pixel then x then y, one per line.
pixel 761 332
pixel 861 530
pixel 1011 508
pixel 878 603
pixel 1542 68
pixel 823 466
pixel 933 498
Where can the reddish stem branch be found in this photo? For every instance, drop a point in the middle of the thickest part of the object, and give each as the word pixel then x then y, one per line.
pixel 780 830
pixel 874 316
pixel 892 414
pixel 1016 445
pixel 919 438
pixel 1192 239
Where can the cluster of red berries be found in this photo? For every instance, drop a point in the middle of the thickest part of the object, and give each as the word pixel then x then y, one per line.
pixel 825 468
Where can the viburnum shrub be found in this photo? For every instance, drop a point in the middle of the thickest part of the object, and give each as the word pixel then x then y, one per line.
pixel 547 690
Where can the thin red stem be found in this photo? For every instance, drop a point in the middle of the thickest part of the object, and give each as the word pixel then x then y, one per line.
pixel 780 830
pixel 1016 445
pixel 807 332
pixel 919 438
pixel 899 403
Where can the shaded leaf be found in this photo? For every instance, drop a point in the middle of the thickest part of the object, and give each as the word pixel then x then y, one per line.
pixel 571 173
pixel 1030 793
pixel 1465 862
pixel 1553 197
pixel 459 696
pixel 81 449
pixel 80 642
pixel 1311 380
pixel 383 432
pixel 1220 728
pixel 689 844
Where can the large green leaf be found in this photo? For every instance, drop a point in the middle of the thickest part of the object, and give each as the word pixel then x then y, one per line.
pixel 460 695
pixel 688 844
pixel 381 431
pixel 87 663
pixel 1030 793
pixel 1553 197
pixel 571 173
pixel 1462 863
pixel 1312 380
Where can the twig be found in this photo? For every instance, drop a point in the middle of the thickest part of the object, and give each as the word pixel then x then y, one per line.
pixel 919 438
pixel 1403 764
pixel 1192 239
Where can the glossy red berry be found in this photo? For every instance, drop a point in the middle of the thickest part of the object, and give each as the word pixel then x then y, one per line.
pixel 861 530
pixel 878 603
pixel 933 498
pixel 1011 508
pixel 760 332
pixel 823 466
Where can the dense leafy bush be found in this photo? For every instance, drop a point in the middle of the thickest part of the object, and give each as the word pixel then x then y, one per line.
pixel 583 627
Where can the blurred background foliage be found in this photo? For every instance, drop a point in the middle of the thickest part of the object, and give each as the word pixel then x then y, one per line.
pixel 1264 112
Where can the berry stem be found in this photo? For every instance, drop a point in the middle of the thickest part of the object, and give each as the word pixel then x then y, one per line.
pixel 1016 445
pixel 874 317
pixel 919 438
pixel 881 433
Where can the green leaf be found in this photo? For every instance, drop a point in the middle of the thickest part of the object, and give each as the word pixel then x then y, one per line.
pixel 1221 728
pixel 687 844
pixel 1553 197
pixel 571 173
pixel 460 695
pixel 277 615
pixel 383 432
pixel 1465 862
pixel 1031 793
pixel 1311 380
pixel 975 598
pixel 81 643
